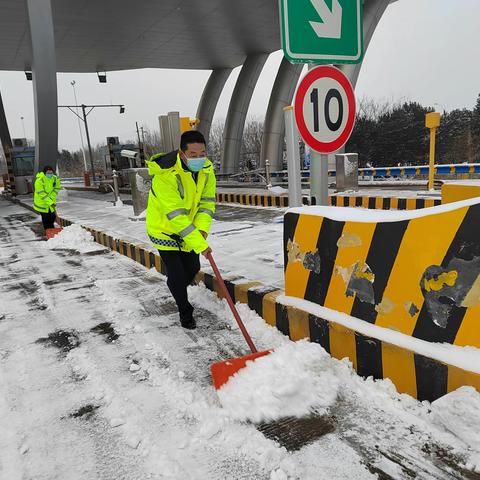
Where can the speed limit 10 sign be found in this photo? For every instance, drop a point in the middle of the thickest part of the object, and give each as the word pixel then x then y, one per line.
pixel 325 109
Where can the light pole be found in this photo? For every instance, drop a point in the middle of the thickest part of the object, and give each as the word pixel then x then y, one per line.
pixel 72 83
pixel 24 134
pixel 83 118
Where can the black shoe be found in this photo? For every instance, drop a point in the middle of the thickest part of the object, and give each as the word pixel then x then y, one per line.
pixel 189 324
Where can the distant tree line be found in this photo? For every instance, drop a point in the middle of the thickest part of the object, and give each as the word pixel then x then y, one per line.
pixel 394 133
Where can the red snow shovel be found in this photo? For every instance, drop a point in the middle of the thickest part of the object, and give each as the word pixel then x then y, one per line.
pixel 222 371
pixel 51 232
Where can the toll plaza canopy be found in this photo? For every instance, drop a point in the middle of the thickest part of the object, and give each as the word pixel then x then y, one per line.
pixel 92 35
pixel 50 36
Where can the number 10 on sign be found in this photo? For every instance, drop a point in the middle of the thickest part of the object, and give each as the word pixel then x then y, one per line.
pixel 325 109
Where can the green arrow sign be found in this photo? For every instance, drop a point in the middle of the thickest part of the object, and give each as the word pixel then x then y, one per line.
pixel 322 31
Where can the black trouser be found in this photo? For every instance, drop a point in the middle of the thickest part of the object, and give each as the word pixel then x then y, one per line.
pixel 181 270
pixel 48 219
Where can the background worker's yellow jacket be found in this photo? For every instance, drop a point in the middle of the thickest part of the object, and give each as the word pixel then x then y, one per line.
pixel 178 207
pixel 45 193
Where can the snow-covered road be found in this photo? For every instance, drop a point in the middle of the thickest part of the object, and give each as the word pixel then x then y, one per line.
pixel 247 242
pixel 98 381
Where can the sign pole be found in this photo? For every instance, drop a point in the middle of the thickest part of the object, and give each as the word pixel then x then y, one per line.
pixel 293 160
pixel 319 178
pixel 432 122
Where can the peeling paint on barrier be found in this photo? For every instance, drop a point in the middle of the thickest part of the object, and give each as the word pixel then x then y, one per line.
pixel 455 286
pixel 349 240
pixel 361 283
pixel 385 307
pixel 294 252
pixel 411 308
pixel 312 262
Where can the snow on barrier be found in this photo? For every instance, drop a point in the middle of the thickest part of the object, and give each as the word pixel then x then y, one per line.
pixel 416 273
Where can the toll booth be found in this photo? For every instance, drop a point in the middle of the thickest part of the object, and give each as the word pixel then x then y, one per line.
pixel 23 162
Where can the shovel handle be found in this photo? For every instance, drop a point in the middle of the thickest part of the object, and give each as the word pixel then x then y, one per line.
pixel 229 300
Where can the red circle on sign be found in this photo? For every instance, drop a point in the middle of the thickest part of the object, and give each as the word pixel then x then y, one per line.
pixel 305 84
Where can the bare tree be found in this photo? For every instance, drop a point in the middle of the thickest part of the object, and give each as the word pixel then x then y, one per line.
pixel 153 143
pixel 371 109
pixel 215 142
pixel 251 145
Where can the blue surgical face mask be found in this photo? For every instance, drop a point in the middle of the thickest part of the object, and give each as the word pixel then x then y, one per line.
pixel 196 164
pixel 49 175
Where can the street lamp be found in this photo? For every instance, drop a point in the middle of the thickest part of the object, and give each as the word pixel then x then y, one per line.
pixel 24 134
pixel 85 114
pixel 72 83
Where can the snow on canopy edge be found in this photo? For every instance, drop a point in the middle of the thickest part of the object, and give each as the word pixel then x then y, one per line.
pixel 466 358
pixel 360 215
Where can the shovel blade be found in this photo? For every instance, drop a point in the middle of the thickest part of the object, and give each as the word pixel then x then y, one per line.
pixel 51 232
pixel 222 371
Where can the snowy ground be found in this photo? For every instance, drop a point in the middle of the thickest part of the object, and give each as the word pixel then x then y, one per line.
pixel 98 381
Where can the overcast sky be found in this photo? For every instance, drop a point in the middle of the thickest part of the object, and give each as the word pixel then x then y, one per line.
pixel 424 50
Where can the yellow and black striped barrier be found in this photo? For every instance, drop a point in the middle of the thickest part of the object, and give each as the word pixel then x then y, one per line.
pixel 363 201
pixel 361 245
pixel 253 200
pixel 418 276
pixel 383 203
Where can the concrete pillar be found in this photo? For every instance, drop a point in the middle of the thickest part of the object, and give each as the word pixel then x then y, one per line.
pixel 237 111
pixel 6 142
pixel 209 100
pixel 44 70
pixel 274 128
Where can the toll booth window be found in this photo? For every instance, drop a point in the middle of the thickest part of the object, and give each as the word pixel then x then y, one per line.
pixel 23 167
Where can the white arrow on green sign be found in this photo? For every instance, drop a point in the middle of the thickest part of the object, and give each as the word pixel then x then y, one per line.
pixel 322 31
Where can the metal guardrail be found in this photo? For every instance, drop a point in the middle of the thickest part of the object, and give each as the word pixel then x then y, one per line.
pixel 402 171
pixel 265 176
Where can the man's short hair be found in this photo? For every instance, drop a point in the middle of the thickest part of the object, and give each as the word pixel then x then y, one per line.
pixel 46 168
pixel 192 136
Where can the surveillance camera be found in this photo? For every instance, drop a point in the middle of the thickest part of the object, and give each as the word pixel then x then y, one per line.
pixel 129 154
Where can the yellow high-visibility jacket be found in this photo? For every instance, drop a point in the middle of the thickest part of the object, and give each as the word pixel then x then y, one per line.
pixel 45 193
pixel 178 206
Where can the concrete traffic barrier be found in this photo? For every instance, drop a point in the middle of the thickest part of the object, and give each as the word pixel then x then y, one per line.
pixel 415 272
pixel 458 191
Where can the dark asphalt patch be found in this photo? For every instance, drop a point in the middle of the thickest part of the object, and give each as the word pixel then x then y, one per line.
pixel 61 339
pixel 295 433
pixel 107 330
pixel 80 287
pixel 56 281
pixel 85 412
pixel 74 263
pixel 28 287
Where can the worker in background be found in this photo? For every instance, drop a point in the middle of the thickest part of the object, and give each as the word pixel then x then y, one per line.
pixel 181 204
pixel 47 186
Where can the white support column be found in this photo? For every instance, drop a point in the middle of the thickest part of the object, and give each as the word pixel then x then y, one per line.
pixel 44 70
pixel 237 111
pixel 208 102
pixel 274 128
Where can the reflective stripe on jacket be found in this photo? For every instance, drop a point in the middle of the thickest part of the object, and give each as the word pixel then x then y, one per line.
pixel 45 193
pixel 178 207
